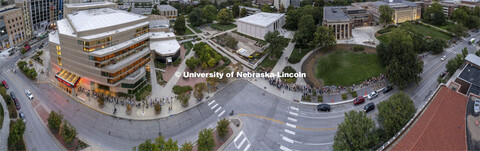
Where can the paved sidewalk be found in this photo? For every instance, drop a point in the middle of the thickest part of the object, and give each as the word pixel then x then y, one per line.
pixel 5 129
pixel 282 61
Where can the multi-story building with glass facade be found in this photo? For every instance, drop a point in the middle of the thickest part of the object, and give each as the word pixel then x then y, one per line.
pixel 40 14
pixel 12 26
pixel 102 49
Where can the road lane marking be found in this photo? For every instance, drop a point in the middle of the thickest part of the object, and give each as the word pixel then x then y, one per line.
pixel 287 139
pixel 293 113
pixel 214 106
pixel 298 127
pixel 274 120
pixel 292 119
pixel 291 125
pixel 238 136
pixel 243 141
pixel 319 144
pixel 285 148
pixel 289 131
pixel 221 113
pixel 211 103
pixel 246 148
pixel 218 109
pixel 294 108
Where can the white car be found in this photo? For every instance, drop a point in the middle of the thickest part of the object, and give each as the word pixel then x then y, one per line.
pixel 29 94
pixel 372 95
pixel 476 106
pixel 443 58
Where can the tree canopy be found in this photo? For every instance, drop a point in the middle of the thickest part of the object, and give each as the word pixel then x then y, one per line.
pixel 458 29
pixel 395 112
pixel 195 17
pixel 158 144
pixel 306 29
pixel 209 13
pixel 277 43
pixel 401 63
pixel 206 54
pixel 236 9
pixel 180 26
pixel 243 12
pixel 225 16
pixel 324 36
pixel 386 14
pixel 294 15
pixel 436 45
pixel 205 140
pixel 54 121
pixel 357 132
pixel 434 14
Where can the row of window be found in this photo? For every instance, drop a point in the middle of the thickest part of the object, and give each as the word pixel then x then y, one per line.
pixel 105 43
pixel 113 81
pixel 126 85
pixel 100 59
pixel 119 58
pixel 112 75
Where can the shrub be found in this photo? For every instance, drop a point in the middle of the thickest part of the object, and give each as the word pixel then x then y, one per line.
pixel 353 94
pixel 320 98
pixel 158 108
pixel 358 48
pixel 222 127
pixel 177 62
pixel 184 97
pixel 101 102
pixel 306 98
pixel 54 121
pixel 344 96
pixel 181 89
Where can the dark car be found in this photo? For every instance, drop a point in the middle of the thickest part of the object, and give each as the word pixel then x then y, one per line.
pixel 358 100
pixel 12 95
pixel 17 104
pixel 323 107
pixel 5 84
pixel 370 106
pixel 387 89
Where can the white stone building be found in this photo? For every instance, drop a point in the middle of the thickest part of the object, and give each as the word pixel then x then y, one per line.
pixel 257 25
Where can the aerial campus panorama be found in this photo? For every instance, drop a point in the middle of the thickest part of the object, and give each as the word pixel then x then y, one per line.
pixel 239 75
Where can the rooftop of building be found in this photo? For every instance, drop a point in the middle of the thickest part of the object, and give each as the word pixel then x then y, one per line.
pixel 90 4
pixel 471 74
pixel 100 18
pixel 158 35
pixel 473 59
pixel 440 127
pixel 335 14
pixel 142 11
pixel 53 37
pixel 7 8
pixel 262 19
pixel 395 3
pixel 166 8
pixel 164 47
pixel 249 8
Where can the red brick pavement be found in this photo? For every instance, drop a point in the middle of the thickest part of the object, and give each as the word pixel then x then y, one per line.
pixel 440 127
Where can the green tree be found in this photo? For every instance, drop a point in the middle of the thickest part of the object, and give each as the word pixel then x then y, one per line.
pixel 306 30
pixel 69 132
pixel 402 65
pixel 306 2
pixel 476 11
pixel 129 9
pixel 434 14
pixel 222 127
pixel 192 63
pixel 355 133
pixel 460 16
pixel 395 112
pixel 195 17
pixel 205 140
pixel 243 12
pixel 23 51
pixel 187 146
pixel 211 62
pixel 155 10
pixel 289 8
pixel 452 66
pixel 324 36
pixel 16 134
pixel 266 8
pixel 277 43
pixel 436 45
pixel 209 13
pixel 473 22
pixel 319 3
pixel 236 9
pixel 225 16
pixel 281 8
pixel 386 14
pixel 458 29
pixel 54 121
pixel 464 52
pixel 158 144
pixel 180 26
pixel 293 16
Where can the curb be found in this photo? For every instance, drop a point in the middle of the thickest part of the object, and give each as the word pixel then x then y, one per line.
pixel 60 145
pixel 146 119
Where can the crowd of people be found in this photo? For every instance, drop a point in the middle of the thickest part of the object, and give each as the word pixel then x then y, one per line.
pixel 307 89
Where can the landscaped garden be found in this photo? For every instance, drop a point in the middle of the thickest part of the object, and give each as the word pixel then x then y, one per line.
pixel 298 54
pixel 346 68
pixel 223 27
pixel 195 29
pixel 416 28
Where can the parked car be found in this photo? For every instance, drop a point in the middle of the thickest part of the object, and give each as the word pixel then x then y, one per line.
pixel 387 89
pixel 29 94
pixel 5 84
pixel 358 100
pixel 372 95
pixel 324 107
pixel 370 106
pixel 17 104
pixel 12 95
pixel 22 116
pixel 476 106
pixel 443 58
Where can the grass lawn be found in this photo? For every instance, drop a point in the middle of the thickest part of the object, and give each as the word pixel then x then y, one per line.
pixel 195 29
pixel 289 69
pixel 447 24
pixel 188 32
pixel 347 68
pixel 1 116
pixel 297 55
pixel 429 31
pixel 269 63
pixel 383 38
pixel 188 46
pixel 223 27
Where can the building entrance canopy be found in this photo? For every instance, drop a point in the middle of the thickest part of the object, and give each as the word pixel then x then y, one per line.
pixel 67 78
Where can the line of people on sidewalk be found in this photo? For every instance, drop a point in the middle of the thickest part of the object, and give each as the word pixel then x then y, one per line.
pixel 307 89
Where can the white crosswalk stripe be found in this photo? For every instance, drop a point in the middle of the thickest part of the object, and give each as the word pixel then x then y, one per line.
pixel 243 141
pixel 214 106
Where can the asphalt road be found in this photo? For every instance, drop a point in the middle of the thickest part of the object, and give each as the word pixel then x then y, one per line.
pixel 271 123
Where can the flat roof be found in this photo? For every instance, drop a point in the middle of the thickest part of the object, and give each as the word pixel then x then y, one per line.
pixel 165 47
pixel 100 18
pixel 395 3
pixel 473 59
pixel 156 35
pixel 142 11
pixel 471 74
pixel 90 4
pixel 262 19
pixel 166 8
pixel 115 31
pixel 440 127
pixel 53 37
pixel 335 14
pixel 65 28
